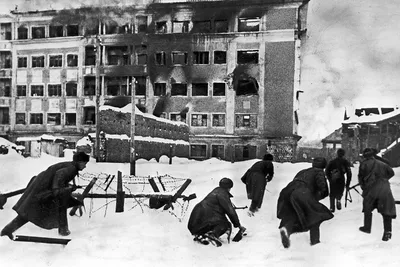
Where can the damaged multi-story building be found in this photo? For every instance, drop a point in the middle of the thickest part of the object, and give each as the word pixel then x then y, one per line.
pixel 229 69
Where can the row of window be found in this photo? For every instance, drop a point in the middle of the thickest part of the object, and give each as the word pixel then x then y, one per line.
pixel 242 152
pixel 55 61
pixel 215 120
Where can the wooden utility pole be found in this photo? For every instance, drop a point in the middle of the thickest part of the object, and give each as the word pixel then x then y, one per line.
pixel 98 94
pixel 133 120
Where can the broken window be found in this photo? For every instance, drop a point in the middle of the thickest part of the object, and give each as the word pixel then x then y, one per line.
pixel 219 57
pixel 92 29
pixel 178 117
pixel 53 118
pixel 141 24
pixel 247 57
pixel 72 60
pixel 38 32
pixel 89 87
pixel 5 31
pixel 5 87
pixel 54 90
pixel 199 120
pixel 116 85
pixel 217 151
pixel 22 62
pixel 140 85
pixel 37 61
pixel 5 60
pixel 72 30
pixel 36 118
pixel 71 89
pixel 21 90
pixel 161 27
pixel 249 24
pixel 37 90
pixel 89 115
pixel 245 152
pixel 246 86
pixel 22 32
pixel 4 115
pixel 200 57
pixel 118 55
pixel 198 151
pixel 218 120
pixel 201 26
pixel 90 56
pixel 179 58
pixel 56 31
pixel 160 58
pixel 218 89
pixel 20 118
pixel 199 89
pixel 221 26
pixel 246 120
pixel 180 26
pixel 160 89
pixel 55 61
pixel 70 118
pixel 179 89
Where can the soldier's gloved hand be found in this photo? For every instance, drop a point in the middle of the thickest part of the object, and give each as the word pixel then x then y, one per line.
pixel 242 228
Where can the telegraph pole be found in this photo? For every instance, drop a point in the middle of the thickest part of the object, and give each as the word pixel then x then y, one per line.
pixel 98 94
pixel 133 119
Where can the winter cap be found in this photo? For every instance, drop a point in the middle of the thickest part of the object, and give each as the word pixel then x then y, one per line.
pixel 81 156
pixel 340 152
pixel 368 153
pixel 268 157
pixel 226 183
pixel 319 162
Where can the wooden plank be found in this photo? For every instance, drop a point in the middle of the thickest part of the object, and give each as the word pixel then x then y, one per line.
pixel 39 239
pixel 82 196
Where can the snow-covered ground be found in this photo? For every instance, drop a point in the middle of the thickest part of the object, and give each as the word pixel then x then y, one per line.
pixel 140 236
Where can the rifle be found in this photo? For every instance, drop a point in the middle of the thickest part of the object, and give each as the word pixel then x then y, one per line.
pixel 348 195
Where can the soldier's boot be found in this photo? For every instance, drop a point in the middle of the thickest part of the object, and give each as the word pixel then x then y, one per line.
pixel 14 225
pixel 63 223
pixel 387 228
pixel 285 237
pixel 338 204
pixel 366 228
pixel 332 204
pixel 314 235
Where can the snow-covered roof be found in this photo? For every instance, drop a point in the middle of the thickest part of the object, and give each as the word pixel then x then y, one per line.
pixel 147 139
pixel 371 118
pixel 128 109
pixel 38 138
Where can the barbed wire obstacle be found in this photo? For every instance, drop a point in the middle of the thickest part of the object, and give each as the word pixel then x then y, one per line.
pixel 136 192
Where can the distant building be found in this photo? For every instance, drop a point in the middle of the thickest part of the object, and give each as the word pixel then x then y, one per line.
pixel 230 69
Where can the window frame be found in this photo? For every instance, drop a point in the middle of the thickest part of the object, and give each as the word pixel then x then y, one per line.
pixel 176 84
pixel 25 60
pixel 39 118
pixel 218 114
pixel 201 152
pixel 196 85
pixel 202 119
pixel 54 87
pixel 37 86
pixel 36 59
pixel 56 58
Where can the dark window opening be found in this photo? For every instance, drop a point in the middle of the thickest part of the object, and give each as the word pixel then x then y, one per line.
pixel 249 121
pixel 161 27
pixel 72 60
pixel 249 24
pixel 20 118
pixel 71 89
pixel 218 89
pixel 221 26
pixel 219 57
pixel 387 110
pixel 54 90
pixel 22 33
pixel 248 86
pixel 245 152
pixel 90 56
pixel 217 151
pixel 200 57
pixel 21 90
pixel 160 89
pixel 201 26
pixel 89 87
pixel 5 31
pixel 118 55
pixel 72 30
pixel 142 59
pixel 179 58
pixel 142 24
pixel 218 120
pixel 38 32
pixel 37 90
pixel 179 89
pixel 114 28
pixel 5 87
pixel 56 31
pixel 198 151
pixel 38 62
pixel 178 117
pixel 70 118
pixel 22 62
pixel 247 57
pixel 4 115
pixel 5 60
pixel 160 58
pixel 89 115
pixel 54 119
pixel 366 111
pixel 199 89
pixel 180 26
pixel 199 120
pixel 140 86
pixel 116 86
pixel 55 61
pixel 92 30
pixel 36 118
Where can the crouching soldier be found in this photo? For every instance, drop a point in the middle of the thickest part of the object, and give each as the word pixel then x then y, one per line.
pixel 373 176
pixel 47 197
pixel 298 204
pixel 208 219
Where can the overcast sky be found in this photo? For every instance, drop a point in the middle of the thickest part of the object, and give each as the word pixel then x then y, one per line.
pixel 350 59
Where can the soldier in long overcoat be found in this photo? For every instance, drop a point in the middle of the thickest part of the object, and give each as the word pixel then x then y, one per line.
pixel 209 216
pixel 298 204
pixel 373 176
pixel 47 197
pixel 335 171
pixel 256 178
